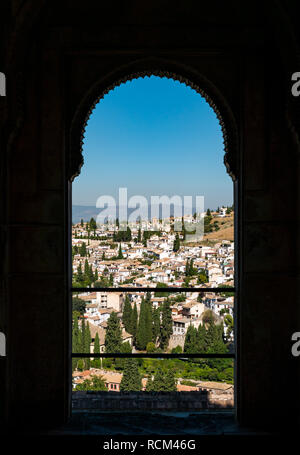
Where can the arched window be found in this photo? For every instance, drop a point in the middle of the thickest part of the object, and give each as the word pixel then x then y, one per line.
pixel 153 240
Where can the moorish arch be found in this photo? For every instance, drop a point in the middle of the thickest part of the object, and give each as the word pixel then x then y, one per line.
pixel 161 68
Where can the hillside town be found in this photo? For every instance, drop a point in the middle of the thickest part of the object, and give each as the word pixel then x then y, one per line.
pixel 154 255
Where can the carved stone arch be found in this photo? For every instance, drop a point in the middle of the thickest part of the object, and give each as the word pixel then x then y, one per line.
pixel 161 68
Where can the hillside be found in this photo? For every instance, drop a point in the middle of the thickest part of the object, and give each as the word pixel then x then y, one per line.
pixel 226 228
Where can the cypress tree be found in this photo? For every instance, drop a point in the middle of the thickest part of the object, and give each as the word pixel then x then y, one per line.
pixel 144 331
pixel 211 334
pixel 82 250
pixel 134 323
pixel 125 349
pixel 170 382
pixel 97 351
pixel 91 274
pixel 113 338
pixel 79 277
pixel 131 380
pixel 87 345
pixel 140 335
pixel 176 244
pixel 127 311
pixel 190 341
pixel 166 325
pixel 86 271
pixel 155 324
pixel 158 381
pixel 148 297
pixel 217 346
pixel 96 275
pixel 128 234
pixel 183 229
pixel 187 268
pixel 75 342
pixel 82 336
pixel 139 237
pixel 201 339
pixel 148 321
pixel 93 224
pixel 120 254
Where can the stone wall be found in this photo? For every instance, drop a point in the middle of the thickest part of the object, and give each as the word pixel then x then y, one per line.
pixel 142 401
pixel 176 340
pixel 59 62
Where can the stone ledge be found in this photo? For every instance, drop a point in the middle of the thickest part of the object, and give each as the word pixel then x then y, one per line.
pixel 158 401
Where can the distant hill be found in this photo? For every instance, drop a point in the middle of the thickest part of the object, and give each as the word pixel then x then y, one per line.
pixel 84 212
pixel 226 228
pixel 225 232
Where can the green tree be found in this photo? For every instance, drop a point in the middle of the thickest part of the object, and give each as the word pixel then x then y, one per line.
pixel 155 324
pixel 133 323
pixel 82 250
pixel 127 311
pixel 96 383
pixel 158 384
pixel 75 342
pixel 144 330
pixel 164 381
pixel 139 237
pixel 93 224
pixel 79 277
pixel 96 275
pixel 170 382
pixel 86 271
pixel 78 304
pixel 91 274
pixel 176 245
pixel 150 348
pixel 202 277
pixel 131 380
pixel 126 348
pixel 201 339
pixel 166 325
pixel 113 337
pixel 177 350
pixel 120 254
pixel 190 341
pixel 96 362
pixel 128 234
pixel 183 230
pixel 187 268
pixel 87 346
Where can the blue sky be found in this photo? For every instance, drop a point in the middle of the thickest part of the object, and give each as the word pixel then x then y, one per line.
pixel 154 136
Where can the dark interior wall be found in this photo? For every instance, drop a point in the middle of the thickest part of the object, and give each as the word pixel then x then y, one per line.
pixel 58 57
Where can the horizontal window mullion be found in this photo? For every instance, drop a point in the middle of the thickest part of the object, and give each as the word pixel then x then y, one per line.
pixel 154 356
pixel 142 289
